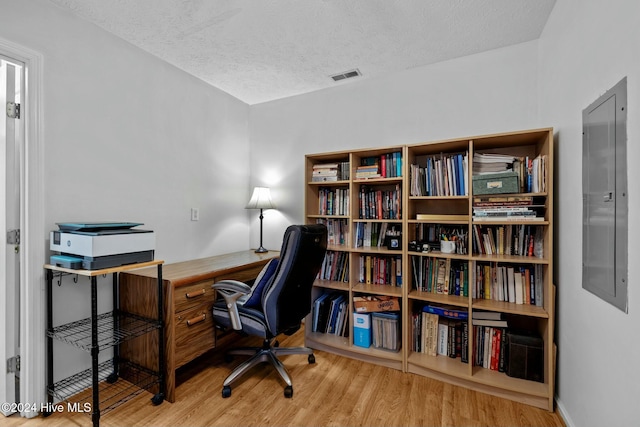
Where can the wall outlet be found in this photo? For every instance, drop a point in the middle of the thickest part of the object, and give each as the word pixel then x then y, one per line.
pixel 195 214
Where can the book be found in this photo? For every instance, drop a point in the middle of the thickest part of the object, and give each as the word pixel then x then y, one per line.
pixel 491 323
pixel 443 337
pixel 486 315
pixel 448 312
pixel 443 217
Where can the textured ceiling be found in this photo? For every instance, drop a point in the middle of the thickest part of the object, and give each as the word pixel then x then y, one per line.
pixel 259 51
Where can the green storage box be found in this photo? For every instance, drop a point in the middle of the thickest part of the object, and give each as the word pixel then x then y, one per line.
pixel 496 183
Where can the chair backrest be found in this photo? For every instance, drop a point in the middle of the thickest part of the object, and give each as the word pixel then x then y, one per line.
pixel 286 300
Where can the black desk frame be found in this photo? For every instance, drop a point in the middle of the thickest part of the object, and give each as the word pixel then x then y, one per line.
pixel 105 330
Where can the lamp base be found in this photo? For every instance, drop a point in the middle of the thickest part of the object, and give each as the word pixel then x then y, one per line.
pixel 261 250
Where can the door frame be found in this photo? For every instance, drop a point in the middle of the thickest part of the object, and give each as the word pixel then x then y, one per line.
pixel 32 231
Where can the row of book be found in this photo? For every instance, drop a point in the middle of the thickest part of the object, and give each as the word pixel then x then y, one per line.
pixel 329 172
pixel 333 201
pixel 444 276
pixel 372 234
pixel 380 270
pixel 386 330
pixel 531 171
pixel 489 347
pixel 330 314
pixel 442 175
pixel 335 267
pixel 380 204
pixel 337 230
pixel 509 239
pixel 522 284
pixel 385 166
pixel 438 331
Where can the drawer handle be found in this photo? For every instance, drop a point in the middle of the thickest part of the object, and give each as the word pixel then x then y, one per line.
pixel 196 320
pixel 195 294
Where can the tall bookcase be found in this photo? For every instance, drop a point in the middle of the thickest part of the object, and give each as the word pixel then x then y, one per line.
pixel 450 212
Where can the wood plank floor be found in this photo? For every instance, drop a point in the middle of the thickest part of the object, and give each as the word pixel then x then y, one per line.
pixel 335 391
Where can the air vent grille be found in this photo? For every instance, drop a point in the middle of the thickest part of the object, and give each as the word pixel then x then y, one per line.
pixel 346 75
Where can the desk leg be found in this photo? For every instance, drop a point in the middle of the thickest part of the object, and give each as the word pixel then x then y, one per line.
pixel 116 327
pixel 49 274
pixel 159 398
pixel 95 415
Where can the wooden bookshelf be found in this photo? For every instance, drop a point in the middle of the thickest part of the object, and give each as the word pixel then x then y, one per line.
pixel 448 210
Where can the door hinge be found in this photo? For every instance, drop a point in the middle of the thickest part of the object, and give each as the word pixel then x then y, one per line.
pixel 13 237
pixel 13 110
pixel 13 364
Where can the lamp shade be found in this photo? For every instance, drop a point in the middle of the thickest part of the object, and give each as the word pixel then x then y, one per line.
pixel 260 199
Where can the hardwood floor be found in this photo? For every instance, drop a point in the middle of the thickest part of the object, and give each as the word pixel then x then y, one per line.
pixel 335 391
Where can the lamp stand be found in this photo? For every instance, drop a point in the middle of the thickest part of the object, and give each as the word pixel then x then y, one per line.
pixel 261 249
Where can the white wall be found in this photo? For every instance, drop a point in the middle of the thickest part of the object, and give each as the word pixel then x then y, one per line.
pixel 495 91
pixel 130 138
pixel 585 49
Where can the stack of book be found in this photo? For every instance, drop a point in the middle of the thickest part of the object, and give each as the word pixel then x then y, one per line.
pixel 327 172
pixel 368 171
pixel 505 208
pixel 493 163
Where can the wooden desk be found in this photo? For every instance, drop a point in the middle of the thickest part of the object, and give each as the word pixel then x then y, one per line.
pixel 188 299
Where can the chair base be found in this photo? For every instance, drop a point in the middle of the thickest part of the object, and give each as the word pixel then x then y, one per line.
pixel 267 353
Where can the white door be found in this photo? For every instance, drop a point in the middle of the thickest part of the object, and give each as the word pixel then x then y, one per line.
pixel 11 134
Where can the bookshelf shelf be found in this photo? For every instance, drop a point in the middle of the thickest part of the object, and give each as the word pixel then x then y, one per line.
pixel 454 300
pixel 340 183
pixel 432 185
pixel 388 290
pixel 514 259
pixel 439 363
pixel 331 284
pixel 511 308
pixel 339 248
pixel 504 381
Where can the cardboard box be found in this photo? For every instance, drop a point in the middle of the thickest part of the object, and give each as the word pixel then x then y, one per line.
pixel 362 329
pixel 496 183
pixel 371 304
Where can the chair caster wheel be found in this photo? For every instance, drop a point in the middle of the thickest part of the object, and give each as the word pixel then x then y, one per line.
pixel 112 378
pixel 288 392
pixel 276 343
pixel 157 399
pixel 226 391
pixel 312 359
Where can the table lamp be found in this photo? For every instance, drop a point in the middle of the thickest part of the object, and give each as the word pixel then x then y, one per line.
pixel 260 199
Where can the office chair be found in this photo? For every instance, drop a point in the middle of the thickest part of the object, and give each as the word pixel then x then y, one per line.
pixel 278 301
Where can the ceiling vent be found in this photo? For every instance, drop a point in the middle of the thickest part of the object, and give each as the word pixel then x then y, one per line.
pixel 346 75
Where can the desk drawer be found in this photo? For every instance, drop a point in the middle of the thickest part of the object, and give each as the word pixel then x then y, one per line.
pixel 195 334
pixel 194 295
pixel 245 275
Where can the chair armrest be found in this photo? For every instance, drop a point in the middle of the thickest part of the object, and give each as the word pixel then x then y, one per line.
pixel 231 291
